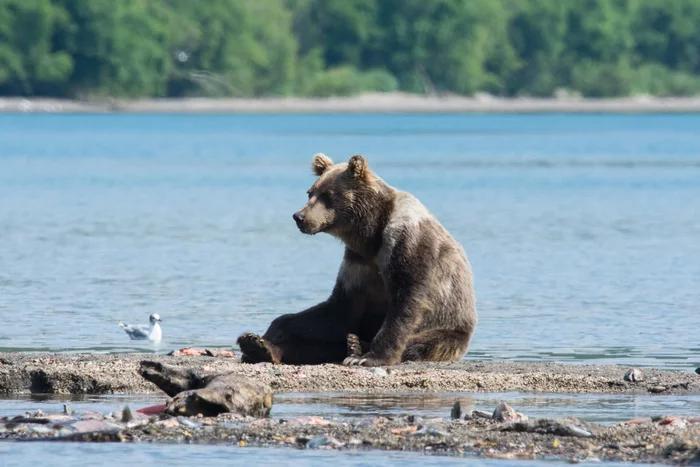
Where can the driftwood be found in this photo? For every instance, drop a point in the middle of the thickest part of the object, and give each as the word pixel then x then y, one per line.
pixel 209 395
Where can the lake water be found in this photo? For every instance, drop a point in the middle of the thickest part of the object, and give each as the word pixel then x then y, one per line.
pixel 339 407
pixel 583 231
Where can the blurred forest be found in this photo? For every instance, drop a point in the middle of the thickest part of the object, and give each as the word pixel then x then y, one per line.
pixel 247 48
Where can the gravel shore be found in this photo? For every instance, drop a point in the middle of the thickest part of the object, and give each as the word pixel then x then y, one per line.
pixel 23 373
pixel 367 103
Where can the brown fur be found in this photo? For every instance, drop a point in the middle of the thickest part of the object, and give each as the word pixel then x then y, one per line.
pixel 404 289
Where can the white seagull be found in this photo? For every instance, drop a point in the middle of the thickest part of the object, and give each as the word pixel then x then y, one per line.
pixel 140 332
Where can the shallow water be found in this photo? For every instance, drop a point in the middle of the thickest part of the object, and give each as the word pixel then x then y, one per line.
pixel 582 230
pixel 70 454
pixel 347 406
pixel 594 408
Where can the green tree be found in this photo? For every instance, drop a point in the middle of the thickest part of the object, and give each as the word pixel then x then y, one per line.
pixel 537 32
pixel 449 45
pixel 118 46
pixel 232 47
pixel 667 33
pixel 29 63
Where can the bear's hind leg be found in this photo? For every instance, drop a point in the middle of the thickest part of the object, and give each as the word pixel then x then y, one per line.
pixel 255 349
pixel 437 345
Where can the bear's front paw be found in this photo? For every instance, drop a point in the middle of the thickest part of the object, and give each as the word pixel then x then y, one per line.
pixel 364 361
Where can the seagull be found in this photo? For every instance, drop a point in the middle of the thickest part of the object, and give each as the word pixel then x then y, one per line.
pixel 140 332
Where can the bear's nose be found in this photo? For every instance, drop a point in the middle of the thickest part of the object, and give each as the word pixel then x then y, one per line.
pixel 298 217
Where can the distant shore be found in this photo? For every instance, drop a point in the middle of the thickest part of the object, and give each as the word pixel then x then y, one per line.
pixel 368 103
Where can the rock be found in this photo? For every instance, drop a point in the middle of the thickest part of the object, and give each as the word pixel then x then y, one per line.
pixel 456 412
pixel 320 441
pixel 208 395
pixel 697 370
pixel 67 409
pixel 127 416
pixel 474 414
pixel 168 423
pixel 429 431
pixel 657 389
pixel 378 371
pixel 504 413
pixel 547 426
pixel 634 375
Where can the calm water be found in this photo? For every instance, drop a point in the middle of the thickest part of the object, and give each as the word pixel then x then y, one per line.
pixel 71 454
pixel 594 408
pixel 583 231
pixel 605 409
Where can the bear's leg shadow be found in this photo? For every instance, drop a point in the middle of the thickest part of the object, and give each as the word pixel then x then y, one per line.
pixel 437 345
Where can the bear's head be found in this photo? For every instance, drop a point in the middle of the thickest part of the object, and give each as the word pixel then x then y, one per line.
pixel 340 197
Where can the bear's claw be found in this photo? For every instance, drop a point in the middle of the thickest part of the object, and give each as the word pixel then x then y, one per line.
pixel 354 361
pixel 354 346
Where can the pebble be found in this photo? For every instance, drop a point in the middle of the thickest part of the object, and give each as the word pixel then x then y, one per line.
pixel 474 414
pixel 634 375
pixel 697 370
pixel 168 423
pixel 320 441
pixel 430 431
pixel 378 372
pixel 657 389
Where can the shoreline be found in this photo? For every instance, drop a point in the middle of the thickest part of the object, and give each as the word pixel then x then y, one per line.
pixel 27 373
pixel 503 434
pixel 366 103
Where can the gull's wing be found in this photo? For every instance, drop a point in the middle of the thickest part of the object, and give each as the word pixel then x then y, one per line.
pixel 135 332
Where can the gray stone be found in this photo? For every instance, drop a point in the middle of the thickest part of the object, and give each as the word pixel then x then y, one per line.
pixel 634 375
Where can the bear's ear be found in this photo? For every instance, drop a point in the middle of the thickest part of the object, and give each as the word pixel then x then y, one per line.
pixel 357 165
pixel 321 163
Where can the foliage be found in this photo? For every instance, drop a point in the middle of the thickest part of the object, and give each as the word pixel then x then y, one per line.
pixel 248 48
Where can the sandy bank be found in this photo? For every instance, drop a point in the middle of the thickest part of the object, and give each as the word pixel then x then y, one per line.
pixel 117 374
pixel 368 103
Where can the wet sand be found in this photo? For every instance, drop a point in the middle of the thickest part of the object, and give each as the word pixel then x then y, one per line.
pixel 367 103
pixel 23 373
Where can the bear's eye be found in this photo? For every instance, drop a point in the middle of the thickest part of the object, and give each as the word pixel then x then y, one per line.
pixel 326 197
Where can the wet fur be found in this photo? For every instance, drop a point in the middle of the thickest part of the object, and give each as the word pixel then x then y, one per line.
pixel 404 287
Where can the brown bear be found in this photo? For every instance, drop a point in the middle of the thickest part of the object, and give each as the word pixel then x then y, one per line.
pixel 404 290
